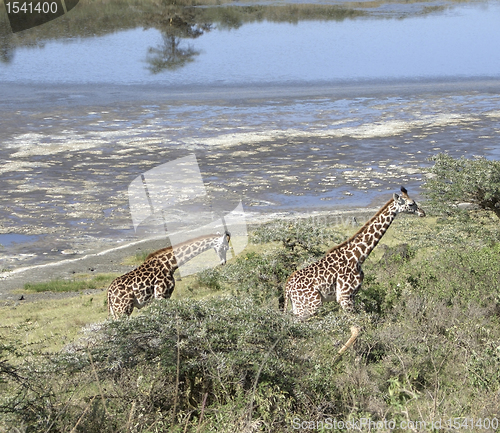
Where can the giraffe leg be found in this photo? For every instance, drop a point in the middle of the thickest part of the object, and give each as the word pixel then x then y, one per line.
pixel 346 289
pixel 120 305
pixel 128 307
pixel 347 304
pixel 113 307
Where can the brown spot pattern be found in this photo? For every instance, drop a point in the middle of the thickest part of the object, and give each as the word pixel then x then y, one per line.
pixel 338 275
pixel 155 277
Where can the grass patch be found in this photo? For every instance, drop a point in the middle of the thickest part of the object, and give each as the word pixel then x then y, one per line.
pixel 46 326
pixel 79 283
pixel 137 259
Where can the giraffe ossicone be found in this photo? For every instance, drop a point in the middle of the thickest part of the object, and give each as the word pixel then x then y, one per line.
pixel 155 277
pixel 338 275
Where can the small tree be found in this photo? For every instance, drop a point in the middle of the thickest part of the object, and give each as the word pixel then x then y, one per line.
pixel 453 181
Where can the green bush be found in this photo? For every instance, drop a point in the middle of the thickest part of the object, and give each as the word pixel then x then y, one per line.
pixel 307 234
pixel 454 181
pixel 262 275
pixel 210 278
pixel 168 364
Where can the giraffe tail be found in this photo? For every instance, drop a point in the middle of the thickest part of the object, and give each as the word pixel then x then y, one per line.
pixel 283 301
pixel 111 313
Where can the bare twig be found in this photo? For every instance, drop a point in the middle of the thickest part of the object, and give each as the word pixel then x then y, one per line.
pixel 81 416
pixel 202 411
pixel 187 421
pixel 177 374
pixel 98 384
pixel 130 416
pixel 256 381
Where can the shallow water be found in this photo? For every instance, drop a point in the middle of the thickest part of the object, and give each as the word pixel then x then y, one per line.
pixel 65 172
pixel 8 239
pixel 304 131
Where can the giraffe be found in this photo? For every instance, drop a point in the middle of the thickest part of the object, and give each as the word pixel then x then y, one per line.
pixel 155 277
pixel 338 275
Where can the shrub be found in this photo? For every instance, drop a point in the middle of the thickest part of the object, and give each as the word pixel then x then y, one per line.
pixel 454 181
pixel 167 365
pixel 307 233
pixel 263 275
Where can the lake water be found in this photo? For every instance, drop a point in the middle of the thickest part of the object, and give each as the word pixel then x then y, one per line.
pixel 316 115
pixel 460 41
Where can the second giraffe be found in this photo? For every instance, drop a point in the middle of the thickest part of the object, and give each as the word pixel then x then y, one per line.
pixel 155 277
pixel 338 275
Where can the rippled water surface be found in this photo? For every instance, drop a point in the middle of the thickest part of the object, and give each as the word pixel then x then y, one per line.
pixel 314 115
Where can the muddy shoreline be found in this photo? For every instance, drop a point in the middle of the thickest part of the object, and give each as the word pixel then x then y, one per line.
pixel 111 260
pixel 46 96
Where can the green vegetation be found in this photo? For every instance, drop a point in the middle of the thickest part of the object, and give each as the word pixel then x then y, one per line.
pixel 46 326
pixel 469 181
pixel 287 246
pixel 82 282
pixel 137 259
pixel 221 357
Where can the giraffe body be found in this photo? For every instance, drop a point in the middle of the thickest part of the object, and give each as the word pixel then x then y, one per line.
pixel 338 275
pixel 155 277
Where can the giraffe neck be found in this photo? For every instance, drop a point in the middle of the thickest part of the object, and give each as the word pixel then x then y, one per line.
pixel 182 253
pixel 367 238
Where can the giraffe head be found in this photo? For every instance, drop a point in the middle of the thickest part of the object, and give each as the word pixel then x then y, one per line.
pixel 405 204
pixel 221 246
